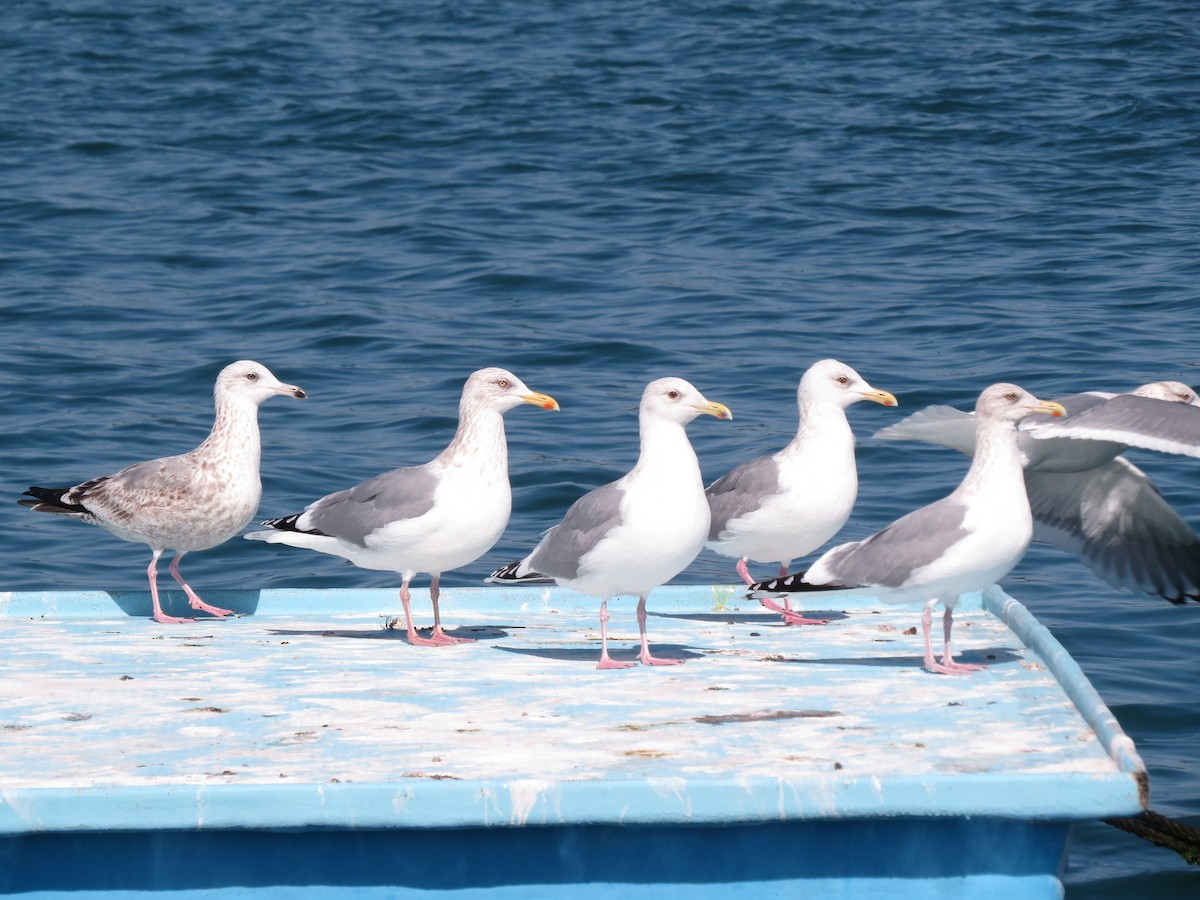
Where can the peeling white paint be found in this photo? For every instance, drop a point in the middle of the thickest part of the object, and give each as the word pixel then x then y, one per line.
pixel 19 804
pixel 673 787
pixel 401 799
pixel 487 802
pixel 524 796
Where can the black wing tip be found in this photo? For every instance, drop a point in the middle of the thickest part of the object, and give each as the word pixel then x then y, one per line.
pixel 288 523
pixel 507 574
pixel 793 584
pixel 1179 598
pixel 50 500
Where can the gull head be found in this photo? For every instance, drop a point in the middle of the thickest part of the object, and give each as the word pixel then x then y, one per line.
pixel 1009 403
pixel 1175 391
pixel 677 400
pixel 252 381
pixel 830 381
pixel 501 390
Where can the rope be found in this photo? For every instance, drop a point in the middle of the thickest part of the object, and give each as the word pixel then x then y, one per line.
pixel 1164 832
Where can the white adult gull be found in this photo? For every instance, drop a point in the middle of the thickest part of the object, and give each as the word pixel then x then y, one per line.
pixel 1086 499
pixel 963 542
pixel 429 518
pixel 189 502
pixel 1160 416
pixel 784 506
pixel 640 531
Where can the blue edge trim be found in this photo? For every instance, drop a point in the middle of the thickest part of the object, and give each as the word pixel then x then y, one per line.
pixel 1066 670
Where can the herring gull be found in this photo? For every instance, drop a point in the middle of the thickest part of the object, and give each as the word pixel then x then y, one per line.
pixel 190 502
pixel 963 542
pixel 1086 499
pixel 640 531
pixel 782 507
pixel 429 518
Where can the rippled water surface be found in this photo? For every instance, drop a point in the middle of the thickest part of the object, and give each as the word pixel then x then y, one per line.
pixel 374 199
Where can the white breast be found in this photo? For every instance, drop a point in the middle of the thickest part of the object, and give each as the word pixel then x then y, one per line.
pixel 469 514
pixel 664 523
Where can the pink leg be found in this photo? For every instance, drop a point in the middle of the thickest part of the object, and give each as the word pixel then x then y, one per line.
pixel 159 615
pixel 947 654
pixel 744 571
pixel 947 666
pixel 606 662
pixel 789 617
pixel 193 599
pixel 787 601
pixel 413 638
pixel 644 656
pixel 440 637
pixel 795 618
pixel 792 618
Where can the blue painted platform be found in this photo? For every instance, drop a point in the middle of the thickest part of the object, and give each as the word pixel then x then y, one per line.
pixel 303 749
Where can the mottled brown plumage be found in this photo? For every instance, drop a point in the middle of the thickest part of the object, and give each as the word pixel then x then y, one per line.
pixel 189 502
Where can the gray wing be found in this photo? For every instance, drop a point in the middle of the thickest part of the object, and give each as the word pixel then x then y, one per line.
pixel 588 520
pixel 942 425
pixel 954 428
pixel 1146 422
pixel 1074 404
pixel 1114 519
pixel 890 557
pixel 355 513
pixel 741 491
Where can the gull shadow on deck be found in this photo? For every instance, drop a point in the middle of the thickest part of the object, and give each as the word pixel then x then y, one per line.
pixel 139 605
pixel 765 618
pixel 383 632
pixel 588 653
pixel 989 656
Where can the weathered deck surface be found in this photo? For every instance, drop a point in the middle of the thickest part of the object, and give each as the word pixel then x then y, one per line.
pixel 310 713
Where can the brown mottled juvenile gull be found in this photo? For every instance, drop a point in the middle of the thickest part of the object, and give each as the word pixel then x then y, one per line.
pixel 189 502
pixel 1086 499
pixel 963 542
pixel 428 518
pixel 640 531
pixel 784 506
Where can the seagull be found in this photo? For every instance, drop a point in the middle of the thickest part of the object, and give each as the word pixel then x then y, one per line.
pixel 961 543
pixel 189 502
pixel 1086 499
pixel 429 518
pixel 784 506
pixel 637 532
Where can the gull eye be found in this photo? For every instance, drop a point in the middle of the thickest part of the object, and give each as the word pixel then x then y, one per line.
pixel 503 382
pixel 673 394
pixel 842 379
pixel 252 376
pixel 1011 397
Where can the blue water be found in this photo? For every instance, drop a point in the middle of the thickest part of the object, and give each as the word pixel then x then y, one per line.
pixel 375 198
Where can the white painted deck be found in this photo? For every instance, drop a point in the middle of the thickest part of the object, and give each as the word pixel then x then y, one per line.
pixel 309 713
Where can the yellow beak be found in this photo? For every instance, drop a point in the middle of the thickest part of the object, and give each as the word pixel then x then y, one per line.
pixel 882 397
pixel 1049 407
pixel 720 410
pixel 545 401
